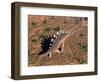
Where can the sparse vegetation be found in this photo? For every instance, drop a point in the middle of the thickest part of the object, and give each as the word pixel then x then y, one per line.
pixel 47 29
pixel 43 35
pixel 78 20
pixel 57 28
pixel 81 61
pixel 64 20
pixel 34 40
pixel 52 17
pixel 40 31
pixel 83 46
pixel 33 23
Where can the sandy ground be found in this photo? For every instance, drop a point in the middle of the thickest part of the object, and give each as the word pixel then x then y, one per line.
pixel 75 47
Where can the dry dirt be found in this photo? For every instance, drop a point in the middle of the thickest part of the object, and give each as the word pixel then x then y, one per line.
pixel 75 47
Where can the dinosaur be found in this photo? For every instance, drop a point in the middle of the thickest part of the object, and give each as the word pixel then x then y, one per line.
pixel 58 41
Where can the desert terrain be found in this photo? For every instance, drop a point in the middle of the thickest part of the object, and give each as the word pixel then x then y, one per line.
pixel 75 46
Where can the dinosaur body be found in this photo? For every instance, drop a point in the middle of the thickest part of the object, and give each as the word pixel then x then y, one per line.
pixel 58 42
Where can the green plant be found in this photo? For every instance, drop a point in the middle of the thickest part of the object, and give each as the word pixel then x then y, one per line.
pixel 43 35
pixel 57 28
pixel 64 20
pixel 33 23
pixel 34 40
pixel 47 29
pixel 52 17
pixel 81 61
pixel 82 46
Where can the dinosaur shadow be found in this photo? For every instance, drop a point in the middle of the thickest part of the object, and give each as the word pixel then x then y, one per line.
pixel 45 44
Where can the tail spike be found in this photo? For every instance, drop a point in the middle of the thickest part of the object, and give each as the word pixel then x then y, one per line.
pixel 50 44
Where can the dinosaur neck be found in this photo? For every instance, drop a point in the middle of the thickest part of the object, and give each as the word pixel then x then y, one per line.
pixel 71 33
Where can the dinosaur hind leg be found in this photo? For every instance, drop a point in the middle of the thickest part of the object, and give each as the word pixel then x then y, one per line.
pixel 61 47
pixel 49 54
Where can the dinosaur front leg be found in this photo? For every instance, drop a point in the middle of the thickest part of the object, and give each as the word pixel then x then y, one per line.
pixel 62 46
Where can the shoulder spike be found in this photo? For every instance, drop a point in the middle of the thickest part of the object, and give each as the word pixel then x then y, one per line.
pixel 57 33
pixel 54 36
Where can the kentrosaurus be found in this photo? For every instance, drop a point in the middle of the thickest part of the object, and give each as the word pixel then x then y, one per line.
pixel 58 41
